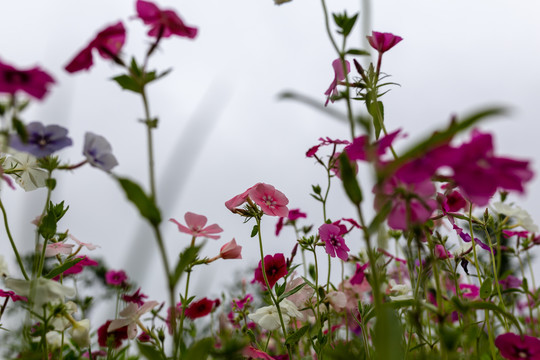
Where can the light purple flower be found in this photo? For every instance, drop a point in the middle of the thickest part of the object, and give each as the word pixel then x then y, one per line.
pixel 98 152
pixel 42 140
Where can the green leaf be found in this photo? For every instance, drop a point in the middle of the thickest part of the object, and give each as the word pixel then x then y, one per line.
pixel 135 68
pixel 61 268
pixel 297 335
pixel 47 226
pixel 126 82
pixel 379 218
pixel 199 350
pixel 186 258
pixel 149 352
pixel 290 292
pixel 376 110
pixel 485 288
pixel 348 177
pixel 143 202
pixel 20 129
pixel 358 52
pixel 388 335
pixel 255 230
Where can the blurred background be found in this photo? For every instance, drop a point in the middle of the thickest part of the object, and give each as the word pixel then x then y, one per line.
pixel 223 128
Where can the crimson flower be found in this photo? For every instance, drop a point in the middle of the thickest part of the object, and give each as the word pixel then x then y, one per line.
pixel 382 42
pixel 114 338
pixel 201 308
pixel 332 92
pixel 335 244
pixel 275 268
pixel 195 226
pixel 163 23
pixel 515 347
pixel 294 214
pixel 35 82
pixel 108 43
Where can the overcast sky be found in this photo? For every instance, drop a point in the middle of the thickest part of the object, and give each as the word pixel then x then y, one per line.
pixel 222 128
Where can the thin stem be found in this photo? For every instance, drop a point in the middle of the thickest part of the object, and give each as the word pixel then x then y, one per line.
pixel 13 246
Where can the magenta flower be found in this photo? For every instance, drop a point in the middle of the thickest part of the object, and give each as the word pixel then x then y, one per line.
pixel 275 268
pixel 325 142
pixel 253 353
pixel 116 278
pixel 453 201
pixel 294 214
pixel 201 308
pixel 515 347
pixel 136 298
pixel 240 304
pixel 441 253
pixel 469 291
pixel 108 43
pixel 338 76
pixel 195 226
pixel 79 267
pixel 510 282
pixel 382 42
pixel 14 297
pixel 42 140
pixel 271 201
pixel 359 274
pixel 335 244
pixel 163 23
pixel 35 82
pixel 231 250
pixel 361 149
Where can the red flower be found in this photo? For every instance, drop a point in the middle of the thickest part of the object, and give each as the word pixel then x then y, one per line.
pixel 275 268
pixel 201 308
pixel 108 42
pixel 514 347
pixel 113 338
pixel 35 82
pixel 163 23
pixel 382 42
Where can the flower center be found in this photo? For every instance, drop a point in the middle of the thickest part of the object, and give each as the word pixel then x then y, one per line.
pixel 269 201
pixel 334 241
pixel 16 77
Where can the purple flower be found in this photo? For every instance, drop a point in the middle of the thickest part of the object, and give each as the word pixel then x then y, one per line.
pixel 42 140
pixel 514 347
pixel 335 244
pixel 98 152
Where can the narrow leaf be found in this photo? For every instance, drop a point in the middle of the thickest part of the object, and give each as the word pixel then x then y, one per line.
pixel 61 268
pixel 138 197
pixel 348 177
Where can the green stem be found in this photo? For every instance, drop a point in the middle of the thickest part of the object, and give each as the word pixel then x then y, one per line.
pixel 13 246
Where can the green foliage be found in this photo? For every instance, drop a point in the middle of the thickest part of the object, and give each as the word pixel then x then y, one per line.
pixel 143 202
pixel 187 257
pixel 345 23
pixel 348 177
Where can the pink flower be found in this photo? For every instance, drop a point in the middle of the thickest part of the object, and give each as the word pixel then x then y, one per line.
pixel 240 304
pixel 335 244
pixel 325 142
pixel 201 308
pixel 271 201
pixel 453 201
pixel 359 275
pixel 35 82
pixel 116 278
pixel 382 42
pixel 231 250
pixel 338 76
pixel 294 214
pixel 195 226
pixel 89 246
pixel 469 291
pixel 108 42
pixel 78 267
pixel 135 298
pixel 163 23
pixel 515 347
pixel 441 253
pixel 12 296
pixel 251 352
pixel 361 149
pixel 275 268
pixel 58 248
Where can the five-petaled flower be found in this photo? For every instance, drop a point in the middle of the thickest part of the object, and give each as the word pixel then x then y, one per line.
pixel 111 338
pixel 108 43
pixel 275 268
pixel 271 201
pixel 98 152
pixel 35 82
pixel 335 244
pixel 515 347
pixel 382 42
pixel 116 278
pixel 339 75
pixel 195 226
pixel 163 23
pixel 201 308
pixel 131 318
pixel 42 140
pixel 136 298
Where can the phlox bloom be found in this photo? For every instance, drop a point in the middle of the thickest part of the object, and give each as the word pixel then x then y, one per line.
pixel 49 291
pixel 98 152
pixel 231 250
pixel 382 42
pixel 196 226
pixel 271 201
pixel 131 315
pixel 334 243
pixel 35 82
pixel 515 347
pixel 267 317
pixel 339 75
pixel 275 268
pixel 200 308
pixel 163 23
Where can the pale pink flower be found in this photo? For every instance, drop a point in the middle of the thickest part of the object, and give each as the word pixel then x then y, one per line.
pixel 195 226
pixel 131 318
pixel 337 299
pixel 80 243
pixel 58 248
pixel 231 250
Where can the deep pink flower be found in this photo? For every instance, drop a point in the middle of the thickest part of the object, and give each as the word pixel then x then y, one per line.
pixel 335 244
pixel 382 42
pixel 35 82
pixel 510 233
pixel 116 278
pixel 275 268
pixel 163 23
pixel 359 275
pixel 338 76
pixel 231 250
pixel 441 253
pixel 361 149
pixel 271 201
pixel 195 226
pixel 14 297
pixel 469 291
pixel 240 304
pixel 453 201
pixel 108 43
pixel 78 267
pixel 515 347
pixel 136 297
pixel 201 308
pixel 325 142
pixel 510 282
pixel 252 353
pixel 113 338
pixel 294 214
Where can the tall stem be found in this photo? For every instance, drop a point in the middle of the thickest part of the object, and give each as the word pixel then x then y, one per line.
pixel 13 246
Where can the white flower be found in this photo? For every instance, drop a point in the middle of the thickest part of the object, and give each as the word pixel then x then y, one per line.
pixel 399 291
pixel 54 339
pixel 80 333
pixel 522 216
pixel 3 267
pixel 41 291
pixel 289 308
pixel 29 175
pixel 268 317
pixel 131 315
pixel 59 321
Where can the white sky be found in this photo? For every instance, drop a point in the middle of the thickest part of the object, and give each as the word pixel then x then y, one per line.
pixel 222 128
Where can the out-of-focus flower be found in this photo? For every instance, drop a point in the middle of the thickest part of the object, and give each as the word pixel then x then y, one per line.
pixel 35 82
pixel 337 299
pixel 302 297
pixel 382 42
pixel 108 43
pixel 453 201
pixel 79 267
pixel 275 268
pixel 267 317
pixel 12 296
pixel 359 274
pixel 3 267
pixel 57 248
pixel 231 250
pixel 60 321
pixel 522 216
pixel 195 226
pixel 54 339
pixel 111 338
pixel 469 291
pixel 89 246
pixel 335 244
pixel 116 278
pixel 42 140
pixel 240 304
pixel 294 214
pixel 252 353
pixel 441 253
pixel 271 201
pixel 332 92
pixel 163 23
pixel 131 318
pixel 80 333
pixel 200 308
pixel 515 347
pixel 98 152
pixel 510 282
pixel 48 291
pixel 399 291
pixel 325 142
pixel 136 298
